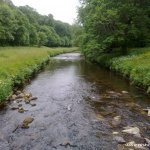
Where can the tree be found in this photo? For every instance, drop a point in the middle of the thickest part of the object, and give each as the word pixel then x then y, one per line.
pixel 42 38
pixel 114 24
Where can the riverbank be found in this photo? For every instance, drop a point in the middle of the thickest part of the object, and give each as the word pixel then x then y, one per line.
pixel 19 64
pixel 135 65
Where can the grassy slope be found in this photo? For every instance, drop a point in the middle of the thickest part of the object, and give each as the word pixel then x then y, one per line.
pixel 135 65
pixel 17 64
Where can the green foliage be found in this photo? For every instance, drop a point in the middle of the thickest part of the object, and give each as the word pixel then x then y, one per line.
pixel 21 26
pixel 114 24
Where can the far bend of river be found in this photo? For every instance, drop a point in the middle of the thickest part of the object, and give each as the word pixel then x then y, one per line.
pixel 76 104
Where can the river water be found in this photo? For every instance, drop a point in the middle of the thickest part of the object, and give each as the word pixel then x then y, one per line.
pixel 77 102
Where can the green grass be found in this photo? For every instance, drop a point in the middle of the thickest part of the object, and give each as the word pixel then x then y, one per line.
pixel 18 64
pixel 135 65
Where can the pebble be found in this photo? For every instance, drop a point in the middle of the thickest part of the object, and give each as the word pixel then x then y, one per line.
pixel 116 121
pixel 115 133
pixel 33 105
pixel 33 98
pixel 69 107
pixel 132 130
pixel 119 139
pixel 21 110
pixel 26 122
pixel 125 92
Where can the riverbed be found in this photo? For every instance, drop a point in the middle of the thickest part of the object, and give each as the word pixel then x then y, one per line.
pixel 75 110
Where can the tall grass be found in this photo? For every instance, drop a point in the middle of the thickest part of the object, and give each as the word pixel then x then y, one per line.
pixel 18 64
pixel 135 65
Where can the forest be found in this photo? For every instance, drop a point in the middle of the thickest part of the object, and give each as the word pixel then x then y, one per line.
pixel 108 25
pixel 24 26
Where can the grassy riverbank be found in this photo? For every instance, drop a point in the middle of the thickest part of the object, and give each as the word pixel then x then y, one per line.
pixel 18 64
pixel 135 65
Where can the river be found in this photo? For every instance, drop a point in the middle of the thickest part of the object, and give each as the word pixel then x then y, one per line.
pixel 77 103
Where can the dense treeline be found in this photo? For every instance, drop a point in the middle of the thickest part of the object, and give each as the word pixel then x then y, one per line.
pixel 111 24
pixel 23 26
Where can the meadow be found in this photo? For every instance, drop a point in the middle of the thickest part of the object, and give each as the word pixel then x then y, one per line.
pixel 135 65
pixel 18 64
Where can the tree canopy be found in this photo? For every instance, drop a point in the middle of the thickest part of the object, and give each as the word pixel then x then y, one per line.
pixel 110 24
pixel 23 25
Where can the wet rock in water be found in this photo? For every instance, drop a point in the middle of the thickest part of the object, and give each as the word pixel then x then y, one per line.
pixel 21 95
pixel 125 92
pixel 132 130
pixel 14 107
pixel 13 97
pixel 27 101
pixel 33 98
pixel 21 110
pixel 115 133
pixel 28 95
pixel 116 121
pixel 99 117
pixel 25 126
pixel 19 105
pixel 69 107
pixel 26 122
pixel 18 92
pixel 119 139
pixel 148 111
pixel 33 105
pixel 147 141
pixel 19 100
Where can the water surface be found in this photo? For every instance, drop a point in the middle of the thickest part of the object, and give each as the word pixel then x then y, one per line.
pixel 76 105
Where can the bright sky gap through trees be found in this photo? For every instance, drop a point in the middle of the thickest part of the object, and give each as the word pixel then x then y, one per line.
pixel 64 10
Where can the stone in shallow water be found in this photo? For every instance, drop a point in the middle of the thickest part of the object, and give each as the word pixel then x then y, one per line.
pixel 132 130
pixel 33 98
pixel 33 105
pixel 119 139
pixel 125 92
pixel 21 110
pixel 26 122
pixel 116 121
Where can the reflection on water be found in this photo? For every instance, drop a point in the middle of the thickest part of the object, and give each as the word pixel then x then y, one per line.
pixel 76 104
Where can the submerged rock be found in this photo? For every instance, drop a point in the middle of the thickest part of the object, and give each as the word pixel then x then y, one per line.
pixel 13 97
pixel 115 133
pixel 18 92
pixel 33 105
pixel 14 107
pixel 148 111
pixel 21 110
pixel 147 141
pixel 28 95
pixel 21 95
pixel 125 92
pixel 26 122
pixel 69 107
pixel 33 98
pixel 27 101
pixel 119 139
pixel 19 105
pixel 132 130
pixel 116 121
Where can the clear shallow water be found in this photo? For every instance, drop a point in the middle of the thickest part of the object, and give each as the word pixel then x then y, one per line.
pixel 75 108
